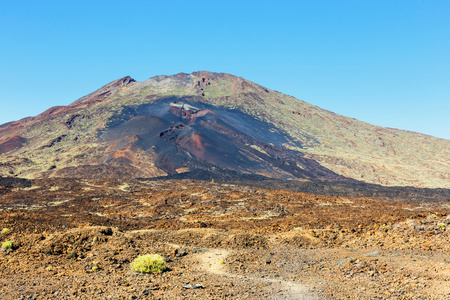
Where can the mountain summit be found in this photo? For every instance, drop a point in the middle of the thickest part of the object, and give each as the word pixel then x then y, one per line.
pixel 214 122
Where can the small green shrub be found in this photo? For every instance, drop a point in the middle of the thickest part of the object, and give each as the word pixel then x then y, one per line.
pixel 94 268
pixel 6 231
pixel 441 225
pixel 7 245
pixel 150 263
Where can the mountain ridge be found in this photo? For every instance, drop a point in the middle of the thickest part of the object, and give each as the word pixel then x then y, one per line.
pixel 343 145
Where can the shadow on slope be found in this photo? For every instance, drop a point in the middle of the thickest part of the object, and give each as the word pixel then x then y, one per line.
pixel 350 188
pixel 186 133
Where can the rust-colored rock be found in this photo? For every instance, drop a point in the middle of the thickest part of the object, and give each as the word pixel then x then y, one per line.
pixel 12 143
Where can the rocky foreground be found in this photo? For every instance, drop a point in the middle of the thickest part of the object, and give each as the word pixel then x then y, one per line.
pixel 75 239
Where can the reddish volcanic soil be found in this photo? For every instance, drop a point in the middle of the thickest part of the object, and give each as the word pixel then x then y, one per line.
pixel 75 239
pixel 12 143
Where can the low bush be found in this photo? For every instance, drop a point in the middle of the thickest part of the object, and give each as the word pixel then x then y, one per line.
pixel 7 245
pixel 150 263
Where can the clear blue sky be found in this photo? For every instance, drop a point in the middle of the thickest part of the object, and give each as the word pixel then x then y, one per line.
pixel 383 62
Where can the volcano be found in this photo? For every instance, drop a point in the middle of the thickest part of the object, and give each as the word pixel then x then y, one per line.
pixel 215 123
pixel 186 134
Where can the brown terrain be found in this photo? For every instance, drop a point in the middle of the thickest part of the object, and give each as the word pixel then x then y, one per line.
pixel 75 239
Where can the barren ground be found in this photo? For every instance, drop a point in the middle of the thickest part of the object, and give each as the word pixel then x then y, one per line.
pixel 220 241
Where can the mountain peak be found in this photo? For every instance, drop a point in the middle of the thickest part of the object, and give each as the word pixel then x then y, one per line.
pixel 105 91
pixel 207 120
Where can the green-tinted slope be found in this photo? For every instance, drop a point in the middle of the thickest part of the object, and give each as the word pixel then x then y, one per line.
pixel 345 145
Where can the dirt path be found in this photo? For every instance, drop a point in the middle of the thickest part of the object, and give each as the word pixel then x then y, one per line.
pixel 212 261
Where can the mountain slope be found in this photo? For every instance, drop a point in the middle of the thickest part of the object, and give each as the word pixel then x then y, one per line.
pixel 172 124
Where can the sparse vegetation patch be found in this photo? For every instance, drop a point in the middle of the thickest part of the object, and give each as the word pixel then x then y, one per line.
pixel 150 263
pixel 7 245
